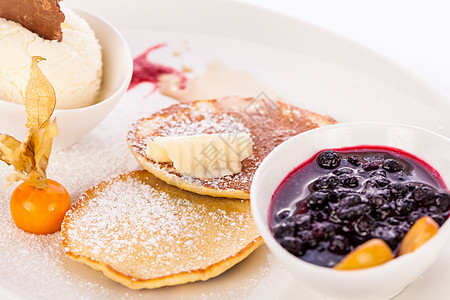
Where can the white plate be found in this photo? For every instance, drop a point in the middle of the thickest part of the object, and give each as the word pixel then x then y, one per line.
pixel 311 67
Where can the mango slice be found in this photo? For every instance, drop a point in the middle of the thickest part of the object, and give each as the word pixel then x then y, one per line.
pixel 372 253
pixel 423 230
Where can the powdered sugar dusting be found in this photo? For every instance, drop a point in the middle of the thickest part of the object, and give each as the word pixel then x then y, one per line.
pixel 267 125
pixel 36 267
pixel 149 230
pixel 200 122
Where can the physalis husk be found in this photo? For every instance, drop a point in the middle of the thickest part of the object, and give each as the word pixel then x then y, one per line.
pixel 30 157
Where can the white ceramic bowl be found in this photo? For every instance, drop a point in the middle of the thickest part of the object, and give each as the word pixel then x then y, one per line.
pixel 379 282
pixel 74 123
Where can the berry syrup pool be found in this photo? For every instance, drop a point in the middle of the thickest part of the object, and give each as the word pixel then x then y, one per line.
pixel 344 197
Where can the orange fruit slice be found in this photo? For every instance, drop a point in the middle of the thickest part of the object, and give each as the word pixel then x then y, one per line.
pixel 372 253
pixel 423 230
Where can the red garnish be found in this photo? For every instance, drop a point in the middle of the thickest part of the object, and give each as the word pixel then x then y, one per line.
pixel 147 71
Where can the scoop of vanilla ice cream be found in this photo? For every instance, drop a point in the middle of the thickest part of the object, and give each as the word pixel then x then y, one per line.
pixel 73 66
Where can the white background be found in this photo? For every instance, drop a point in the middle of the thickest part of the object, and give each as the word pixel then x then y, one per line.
pixel 414 33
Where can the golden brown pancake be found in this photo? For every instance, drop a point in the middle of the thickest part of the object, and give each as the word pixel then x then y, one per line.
pixel 144 233
pixel 269 123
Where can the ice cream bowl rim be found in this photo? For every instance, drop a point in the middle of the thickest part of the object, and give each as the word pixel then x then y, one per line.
pixel 112 88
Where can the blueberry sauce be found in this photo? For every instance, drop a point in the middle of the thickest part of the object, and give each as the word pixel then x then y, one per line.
pixel 147 71
pixel 344 197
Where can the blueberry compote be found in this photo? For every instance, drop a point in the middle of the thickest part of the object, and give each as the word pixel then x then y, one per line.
pixel 342 198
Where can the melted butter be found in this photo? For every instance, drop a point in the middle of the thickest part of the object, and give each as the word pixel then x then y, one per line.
pixel 219 81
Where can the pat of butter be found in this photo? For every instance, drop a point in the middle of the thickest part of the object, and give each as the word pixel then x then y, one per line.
pixel 203 156
pixel 156 152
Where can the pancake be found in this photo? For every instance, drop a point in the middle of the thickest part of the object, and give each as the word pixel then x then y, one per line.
pixel 268 122
pixel 144 233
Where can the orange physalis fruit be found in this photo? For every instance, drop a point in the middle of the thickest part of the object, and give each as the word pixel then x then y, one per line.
pixel 423 230
pixel 372 253
pixel 37 210
pixel 37 205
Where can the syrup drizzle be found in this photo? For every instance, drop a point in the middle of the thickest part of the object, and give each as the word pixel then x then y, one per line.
pixel 219 81
pixel 147 71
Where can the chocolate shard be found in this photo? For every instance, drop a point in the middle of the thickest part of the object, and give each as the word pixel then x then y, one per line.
pixel 43 17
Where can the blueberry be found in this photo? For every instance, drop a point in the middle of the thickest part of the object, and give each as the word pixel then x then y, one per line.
pixel 339 244
pixel 332 196
pixel 404 206
pixel 342 171
pixel 370 166
pixel 388 234
pixel 350 200
pixel 424 194
pixel 344 192
pixel 377 182
pixel 354 212
pixel 357 239
pixel 370 184
pixel 382 181
pixel 300 221
pixel 399 231
pixel 324 230
pixel 349 181
pixel 317 200
pixel 440 219
pixel 333 217
pixel 411 186
pixel 443 201
pixel 434 210
pixel 364 225
pixel 378 173
pixel 414 216
pixel 325 183
pixel 392 166
pixel 346 227
pixel 376 200
pixel 397 190
pixel 384 211
pixel 329 159
pixel 283 230
pixel 308 238
pixel 318 231
pixel 354 160
pixel 318 216
pixel 294 245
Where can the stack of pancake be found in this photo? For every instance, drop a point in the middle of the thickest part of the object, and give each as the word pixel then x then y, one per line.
pixel 153 228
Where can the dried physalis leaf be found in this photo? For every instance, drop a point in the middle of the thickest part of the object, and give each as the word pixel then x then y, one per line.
pixel 40 98
pixel 43 17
